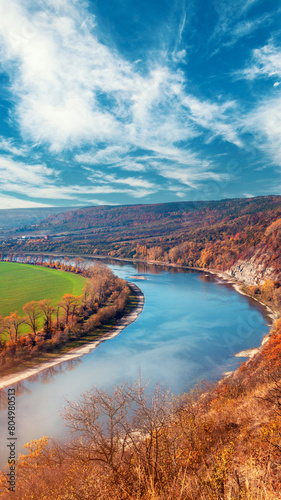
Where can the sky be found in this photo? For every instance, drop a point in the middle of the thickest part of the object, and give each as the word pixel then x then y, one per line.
pixel 112 102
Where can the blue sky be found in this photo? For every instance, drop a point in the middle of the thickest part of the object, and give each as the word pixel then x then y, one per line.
pixel 124 102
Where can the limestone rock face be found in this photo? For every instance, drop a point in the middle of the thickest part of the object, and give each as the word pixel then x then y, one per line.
pixel 252 271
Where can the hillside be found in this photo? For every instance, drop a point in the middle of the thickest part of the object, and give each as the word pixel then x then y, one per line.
pixel 19 218
pixel 144 218
pixel 224 235
pixel 218 442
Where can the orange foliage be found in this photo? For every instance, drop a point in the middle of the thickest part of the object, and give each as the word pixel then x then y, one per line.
pixel 104 299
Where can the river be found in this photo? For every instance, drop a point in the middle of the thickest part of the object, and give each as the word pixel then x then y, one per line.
pixel 191 326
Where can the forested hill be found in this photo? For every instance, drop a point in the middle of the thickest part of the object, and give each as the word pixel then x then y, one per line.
pixel 14 218
pixel 224 235
pixel 158 215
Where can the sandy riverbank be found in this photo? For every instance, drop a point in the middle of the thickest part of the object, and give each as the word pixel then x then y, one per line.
pixel 224 276
pixel 12 379
pixel 237 285
pixel 251 352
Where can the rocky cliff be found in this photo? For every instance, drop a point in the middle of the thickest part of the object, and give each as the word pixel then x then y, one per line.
pixel 261 262
pixel 252 271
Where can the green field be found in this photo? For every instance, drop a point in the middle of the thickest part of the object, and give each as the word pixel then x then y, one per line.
pixel 21 283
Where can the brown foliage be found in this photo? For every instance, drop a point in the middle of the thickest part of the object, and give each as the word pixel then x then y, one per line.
pixel 200 234
pixel 132 444
pixel 104 298
pixel 11 325
pixel 33 314
pixel 48 311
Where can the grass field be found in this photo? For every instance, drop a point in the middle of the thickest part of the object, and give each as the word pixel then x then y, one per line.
pixel 21 283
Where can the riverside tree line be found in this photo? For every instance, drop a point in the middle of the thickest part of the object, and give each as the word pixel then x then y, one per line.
pixel 104 298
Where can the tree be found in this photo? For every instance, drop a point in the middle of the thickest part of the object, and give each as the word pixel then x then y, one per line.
pixel 154 253
pixel 33 314
pixel 1 328
pixel 47 310
pixel 80 264
pixel 102 280
pixel 86 294
pixel 11 325
pixel 57 312
pixel 111 428
pixel 277 297
pixel 267 289
pixel 69 304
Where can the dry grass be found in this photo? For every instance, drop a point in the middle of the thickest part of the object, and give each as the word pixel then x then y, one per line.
pixel 219 443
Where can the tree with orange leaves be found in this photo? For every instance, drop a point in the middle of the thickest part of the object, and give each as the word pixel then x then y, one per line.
pixel 69 304
pixel 47 310
pixel 33 314
pixel 11 325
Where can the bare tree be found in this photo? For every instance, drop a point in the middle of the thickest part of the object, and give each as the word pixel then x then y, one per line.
pixel 151 414
pixel 98 422
pixel 33 314
pixel 47 310
pixel 110 428
pixel 86 295
pixel 80 263
pixel 57 312
pixel 69 304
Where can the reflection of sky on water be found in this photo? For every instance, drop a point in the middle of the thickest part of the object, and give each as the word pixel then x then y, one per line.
pixel 186 332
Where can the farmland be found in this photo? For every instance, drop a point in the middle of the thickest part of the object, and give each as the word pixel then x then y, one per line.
pixel 21 283
pixel 62 309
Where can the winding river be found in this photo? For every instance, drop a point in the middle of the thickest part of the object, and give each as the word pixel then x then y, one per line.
pixel 191 326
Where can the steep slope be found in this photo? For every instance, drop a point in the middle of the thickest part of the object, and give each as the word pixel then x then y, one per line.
pixel 241 236
pixel 263 261
pixel 25 217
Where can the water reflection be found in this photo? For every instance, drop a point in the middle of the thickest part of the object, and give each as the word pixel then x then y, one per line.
pixel 190 328
pixel 20 389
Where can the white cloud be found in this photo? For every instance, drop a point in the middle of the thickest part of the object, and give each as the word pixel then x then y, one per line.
pixel 132 165
pixel 265 123
pixel 8 146
pixel 183 157
pixel 39 181
pixel 11 202
pixel 179 55
pixel 56 68
pixel 132 181
pixel 74 192
pixel 115 156
pixel 106 156
pixel 70 89
pixel 72 92
pixel 111 179
pixel 94 201
pixel 189 177
pixel 179 192
pixel 216 117
pixel 13 172
pixel 245 28
pixel 266 62
pixel 229 15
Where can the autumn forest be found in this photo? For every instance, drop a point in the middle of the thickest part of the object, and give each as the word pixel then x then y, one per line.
pixel 219 441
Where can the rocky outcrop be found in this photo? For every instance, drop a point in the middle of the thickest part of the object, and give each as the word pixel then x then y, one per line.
pixel 251 272
pixel 263 261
